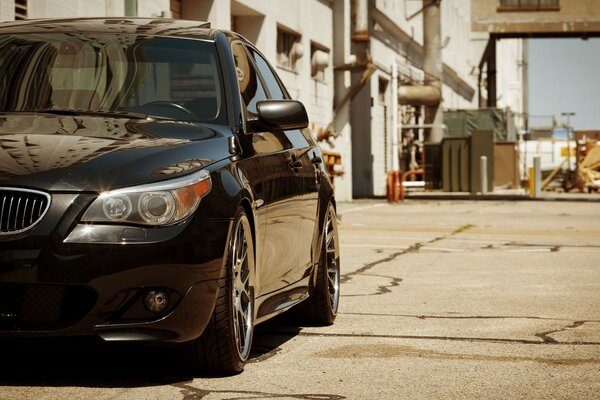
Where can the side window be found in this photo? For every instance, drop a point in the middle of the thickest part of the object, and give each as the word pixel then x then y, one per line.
pixel 251 88
pixel 268 76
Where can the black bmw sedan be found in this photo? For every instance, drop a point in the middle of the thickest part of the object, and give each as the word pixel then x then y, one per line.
pixel 157 184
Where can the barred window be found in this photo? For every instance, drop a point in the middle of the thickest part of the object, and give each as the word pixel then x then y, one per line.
pixel 529 5
pixel 289 49
pixel 20 9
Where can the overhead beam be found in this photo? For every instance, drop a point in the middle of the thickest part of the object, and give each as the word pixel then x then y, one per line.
pixel 414 52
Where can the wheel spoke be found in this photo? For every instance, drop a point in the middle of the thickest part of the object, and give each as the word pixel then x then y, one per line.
pixel 332 280
pixel 329 240
pixel 332 269
pixel 239 247
pixel 235 324
pixel 244 318
pixel 243 255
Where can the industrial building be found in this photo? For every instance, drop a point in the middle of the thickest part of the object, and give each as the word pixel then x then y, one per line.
pixel 338 57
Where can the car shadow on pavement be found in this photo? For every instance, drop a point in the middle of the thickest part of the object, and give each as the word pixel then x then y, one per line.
pixel 84 363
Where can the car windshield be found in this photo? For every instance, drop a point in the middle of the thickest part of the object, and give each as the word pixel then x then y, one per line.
pixel 128 75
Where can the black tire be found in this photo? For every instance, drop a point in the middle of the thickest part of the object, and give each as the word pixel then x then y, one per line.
pixel 224 346
pixel 320 309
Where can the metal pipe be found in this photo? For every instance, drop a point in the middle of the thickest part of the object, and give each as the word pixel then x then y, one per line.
pixel 395 130
pixel 419 95
pixel 483 174
pixel 491 74
pixel 361 22
pixel 403 177
pixel 537 177
pixel 432 65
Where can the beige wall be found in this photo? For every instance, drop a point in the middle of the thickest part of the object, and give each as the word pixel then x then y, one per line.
pixel 91 8
pixel 7 10
pixel 574 16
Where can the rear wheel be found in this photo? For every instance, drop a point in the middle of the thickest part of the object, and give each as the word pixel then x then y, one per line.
pixel 322 305
pixel 225 344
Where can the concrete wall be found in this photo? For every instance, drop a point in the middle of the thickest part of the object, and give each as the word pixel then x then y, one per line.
pixel 7 10
pixel 456 41
pixel 573 16
pixel 92 8
pixel 510 76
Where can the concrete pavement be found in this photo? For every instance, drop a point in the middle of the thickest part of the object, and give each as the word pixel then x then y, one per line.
pixel 441 299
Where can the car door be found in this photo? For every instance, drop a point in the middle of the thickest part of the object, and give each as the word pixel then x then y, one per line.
pixel 304 158
pixel 282 187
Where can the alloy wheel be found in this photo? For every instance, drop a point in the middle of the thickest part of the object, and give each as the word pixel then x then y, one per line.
pixel 332 261
pixel 242 309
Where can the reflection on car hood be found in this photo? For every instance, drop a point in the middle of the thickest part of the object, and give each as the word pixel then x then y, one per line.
pixel 96 154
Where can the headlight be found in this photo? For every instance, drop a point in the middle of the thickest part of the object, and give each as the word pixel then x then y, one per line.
pixel 161 203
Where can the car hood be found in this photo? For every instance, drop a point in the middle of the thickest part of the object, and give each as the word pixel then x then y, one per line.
pixel 65 153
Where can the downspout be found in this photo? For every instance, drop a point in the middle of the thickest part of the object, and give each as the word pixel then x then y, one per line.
pixel 491 74
pixel 395 152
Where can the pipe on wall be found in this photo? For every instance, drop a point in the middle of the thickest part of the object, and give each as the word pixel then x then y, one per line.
pixel 361 21
pixel 419 95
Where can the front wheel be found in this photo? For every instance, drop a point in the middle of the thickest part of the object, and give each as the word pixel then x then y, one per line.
pixel 225 344
pixel 322 304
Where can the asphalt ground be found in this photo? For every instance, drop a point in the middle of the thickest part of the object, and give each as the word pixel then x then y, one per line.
pixel 440 299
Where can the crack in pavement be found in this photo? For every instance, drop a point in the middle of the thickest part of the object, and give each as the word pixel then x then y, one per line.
pixel 421 316
pixel 577 246
pixel 449 338
pixel 545 336
pixel 190 392
pixel 553 247
pixel 382 289
pixel 411 249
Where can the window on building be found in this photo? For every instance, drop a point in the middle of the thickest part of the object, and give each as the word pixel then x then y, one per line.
pixel 20 9
pixel 319 61
pixel 529 5
pixel 131 8
pixel 289 49
pixel 383 85
pixel 176 9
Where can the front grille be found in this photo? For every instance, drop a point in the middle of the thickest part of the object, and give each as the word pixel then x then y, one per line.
pixel 21 209
pixel 35 307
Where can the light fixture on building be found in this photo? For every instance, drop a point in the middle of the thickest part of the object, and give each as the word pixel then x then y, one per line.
pixel 319 61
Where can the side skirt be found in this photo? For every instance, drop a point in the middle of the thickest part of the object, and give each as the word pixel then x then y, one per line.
pixel 272 304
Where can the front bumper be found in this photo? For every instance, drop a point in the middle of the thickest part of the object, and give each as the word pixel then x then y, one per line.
pixel 49 288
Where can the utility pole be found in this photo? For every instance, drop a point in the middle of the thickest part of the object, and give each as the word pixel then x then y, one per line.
pixel 568 115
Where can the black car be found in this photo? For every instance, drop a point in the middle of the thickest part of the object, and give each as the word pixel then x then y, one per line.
pixel 157 184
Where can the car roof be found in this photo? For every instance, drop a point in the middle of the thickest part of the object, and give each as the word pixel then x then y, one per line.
pixel 115 25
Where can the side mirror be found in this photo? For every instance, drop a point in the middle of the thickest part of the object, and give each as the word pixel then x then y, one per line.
pixel 281 114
